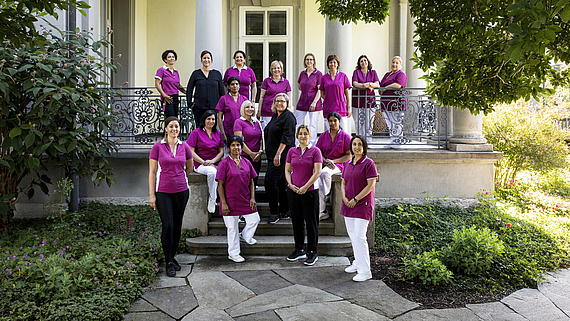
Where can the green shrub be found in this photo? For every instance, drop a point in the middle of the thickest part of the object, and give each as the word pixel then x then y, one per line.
pixel 472 250
pixel 428 268
pixel 187 233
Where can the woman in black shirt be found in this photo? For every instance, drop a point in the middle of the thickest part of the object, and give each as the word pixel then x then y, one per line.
pixel 208 84
pixel 279 138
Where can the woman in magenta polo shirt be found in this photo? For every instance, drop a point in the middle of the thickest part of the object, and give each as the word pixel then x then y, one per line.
pixel 249 129
pixel 229 108
pixel 358 179
pixel 335 148
pixel 167 82
pixel 302 168
pixel 364 81
pixel 208 148
pixel 270 87
pixel 169 162
pixel 335 90
pixel 246 76
pixel 237 197
pixel 310 99
pixel 391 103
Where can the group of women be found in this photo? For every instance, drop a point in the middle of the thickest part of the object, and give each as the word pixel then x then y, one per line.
pixel 298 177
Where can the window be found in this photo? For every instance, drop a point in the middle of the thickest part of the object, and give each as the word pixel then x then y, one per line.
pixel 266 35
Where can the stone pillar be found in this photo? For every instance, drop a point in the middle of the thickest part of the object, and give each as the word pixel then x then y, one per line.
pixel 338 41
pixel 413 74
pixel 209 31
pixel 404 33
pixel 468 133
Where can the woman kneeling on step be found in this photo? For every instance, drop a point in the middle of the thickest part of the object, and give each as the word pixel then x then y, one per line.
pixel 237 197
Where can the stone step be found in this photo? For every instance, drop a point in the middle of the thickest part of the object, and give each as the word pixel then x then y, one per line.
pixel 216 226
pixel 267 245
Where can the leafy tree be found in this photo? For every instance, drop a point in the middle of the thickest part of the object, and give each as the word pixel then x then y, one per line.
pixel 347 11
pixel 54 112
pixel 477 53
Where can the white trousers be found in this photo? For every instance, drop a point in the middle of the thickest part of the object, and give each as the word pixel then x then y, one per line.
pixel 313 121
pixel 344 125
pixel 394 120
pixel 356 228
pixel 264 121
pixel 363 128
pixel 210 172
pixel 325 182
pixel 232 225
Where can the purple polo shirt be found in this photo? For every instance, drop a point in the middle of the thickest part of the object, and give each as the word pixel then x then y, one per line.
pixel 231 110
pixel 271 89
pixel 309 88
pixel 246 77
pixel 205 147
pixel 170 81
pixel 251 133
pixel 171 173
pixel 302 164
pixel 334 99
pixel 355 180
pixel 359 76
pixel 236 185
pixel 333 150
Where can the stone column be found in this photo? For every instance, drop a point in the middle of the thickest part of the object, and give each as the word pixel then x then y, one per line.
pixel 468 133
pixel 338 41
pixel 413 74
pixel 209 32
pixel 404 33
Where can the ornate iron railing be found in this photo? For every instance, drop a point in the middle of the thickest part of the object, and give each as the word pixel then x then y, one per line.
pixel 405 116
pixel 141 117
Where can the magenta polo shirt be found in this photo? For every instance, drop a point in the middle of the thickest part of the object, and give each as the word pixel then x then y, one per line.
pixel 170 81
pixel 334 99
pixel 246 78
pixel 302 164
pixel 359 76
pixel 251 133
pixel 309 88
pixel 355 180
pixel 236 185
pixel 205 147
pixel 231 110
pixel 336 149
pixel 271 89
pixel 171 173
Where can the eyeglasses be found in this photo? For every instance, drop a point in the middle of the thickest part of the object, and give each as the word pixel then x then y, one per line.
pixel 280 102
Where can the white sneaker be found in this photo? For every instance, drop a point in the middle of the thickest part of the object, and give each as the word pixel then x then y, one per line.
pixel 351 269
pixel 236 258
pixel 211 206
pixel 323 216
pixel 360 277
pixel 253 241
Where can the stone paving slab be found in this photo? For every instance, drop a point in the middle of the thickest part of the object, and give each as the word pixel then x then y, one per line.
pixel 164 281
pixel 268 315
pixel 217 290
pixel 286 297
pixel 319 277
pixel 209 314
pixel 331 311
pixel 147 316
pixel 533 305
pixel 185 270
pixel 259 281
pixel 461 314
pixel 560 276
pixel 494 311
pixel 558 293
pixel 185 258
pixel 141 305
pixel 222 263
pixel 374 295
pixel 176 302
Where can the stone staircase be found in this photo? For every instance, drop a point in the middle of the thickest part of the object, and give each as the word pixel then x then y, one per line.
pixel 272 239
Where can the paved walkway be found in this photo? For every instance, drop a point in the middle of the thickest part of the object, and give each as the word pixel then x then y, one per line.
pixel 270 288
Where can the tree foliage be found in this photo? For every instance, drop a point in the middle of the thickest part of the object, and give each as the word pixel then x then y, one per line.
pixel 347 11
pixel 54 112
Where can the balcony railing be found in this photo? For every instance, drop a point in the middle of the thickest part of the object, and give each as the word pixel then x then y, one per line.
pixel 406 116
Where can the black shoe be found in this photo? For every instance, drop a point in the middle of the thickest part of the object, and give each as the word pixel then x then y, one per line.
pixel 170 271
pixel 285 216
pixel 297 255
pixel 312 258
pixel 242 219
pixel 176 265
pixel 273 218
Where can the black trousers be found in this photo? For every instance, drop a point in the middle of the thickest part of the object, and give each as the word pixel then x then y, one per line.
pixel 198 113
pixel 171 208
pixel 276 186
pixel 305 210
pixel 171 109
pixel 256 167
